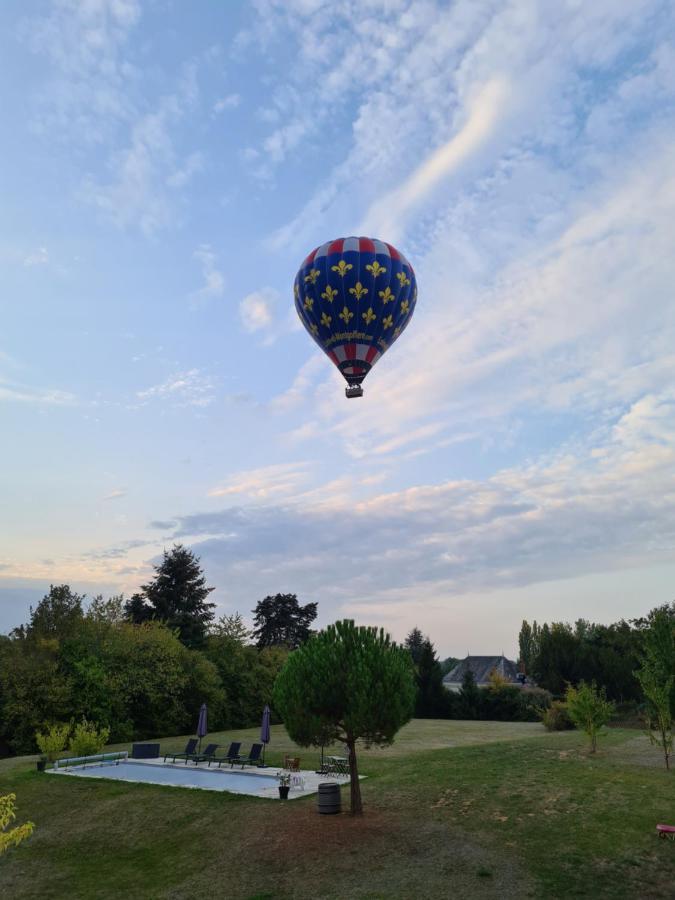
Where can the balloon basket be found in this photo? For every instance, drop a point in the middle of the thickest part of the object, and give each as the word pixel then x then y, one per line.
pixel 354 390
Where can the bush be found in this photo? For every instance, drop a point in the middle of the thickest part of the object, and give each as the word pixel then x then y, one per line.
pixel 589 709
pixel 53 742
pixel 88 739
pixel 557 717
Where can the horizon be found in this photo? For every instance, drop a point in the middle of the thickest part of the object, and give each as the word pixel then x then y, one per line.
pixel 165 174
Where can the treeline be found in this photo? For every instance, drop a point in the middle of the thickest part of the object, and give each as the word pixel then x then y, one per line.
pixel 143 667
pixel 500 701
pixel 557 654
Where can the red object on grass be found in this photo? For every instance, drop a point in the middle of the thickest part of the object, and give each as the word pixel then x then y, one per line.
pixel 666 831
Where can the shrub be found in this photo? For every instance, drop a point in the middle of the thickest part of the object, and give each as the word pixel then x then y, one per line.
pixel 88 739
pixel 589 709
pixel 11 837
pixel 54 741
pixel 557 717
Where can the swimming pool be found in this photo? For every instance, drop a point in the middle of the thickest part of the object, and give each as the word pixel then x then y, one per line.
pixel 252 783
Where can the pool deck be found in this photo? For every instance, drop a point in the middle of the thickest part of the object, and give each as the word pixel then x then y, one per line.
pixel 311 779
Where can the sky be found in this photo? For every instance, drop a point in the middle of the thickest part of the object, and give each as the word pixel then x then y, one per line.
pixel 165 169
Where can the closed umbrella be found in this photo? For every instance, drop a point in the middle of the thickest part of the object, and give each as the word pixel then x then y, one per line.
pixel 265 729
pixel 201 725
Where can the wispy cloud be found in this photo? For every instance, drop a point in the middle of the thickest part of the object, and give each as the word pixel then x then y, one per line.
pixel 38 257
pixel 191 388
pixel 19 393
pixel 116 494
pixel 265 483
pixel 230 101
pixel 214 280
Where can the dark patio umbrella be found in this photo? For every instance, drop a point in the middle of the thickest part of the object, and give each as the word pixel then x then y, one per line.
pixel 201 725
pixel 265 729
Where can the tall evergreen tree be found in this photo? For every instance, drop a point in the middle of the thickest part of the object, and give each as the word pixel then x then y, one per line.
pixel 177 595
pixel 432 697
pixel 414 644
pixel 280 621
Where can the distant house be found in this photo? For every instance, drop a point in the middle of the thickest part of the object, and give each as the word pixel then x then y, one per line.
pixel 482 666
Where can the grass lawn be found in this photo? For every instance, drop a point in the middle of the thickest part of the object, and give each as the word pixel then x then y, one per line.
pixel 460 809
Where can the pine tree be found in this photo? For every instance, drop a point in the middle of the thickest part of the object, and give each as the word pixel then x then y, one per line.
pixel 177 596
pixel 432 700
pixel 414 644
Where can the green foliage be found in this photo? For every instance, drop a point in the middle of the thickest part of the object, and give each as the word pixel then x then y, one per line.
pixel 414 643
pixel 556 717
pixel 56 615
pixel 347 683
pixel 88 739
pixel 432 698
pixel 528 645
pixel 54 741
pixel 177 596
pixel 469 698
pixel 657 678
pixel 589 709
pixel 280 621
pixel 11 837
pixel 448 664
pixel 558 654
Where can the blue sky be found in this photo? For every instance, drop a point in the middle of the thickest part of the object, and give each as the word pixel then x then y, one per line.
pixel 166 167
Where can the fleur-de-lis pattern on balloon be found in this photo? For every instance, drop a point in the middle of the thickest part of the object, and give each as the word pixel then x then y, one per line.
pixel 342 268
pixel 355 296
pixel 376 269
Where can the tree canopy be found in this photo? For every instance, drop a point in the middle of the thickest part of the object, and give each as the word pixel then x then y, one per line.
pixel 347 683
pixel 280 621
pixel 176 596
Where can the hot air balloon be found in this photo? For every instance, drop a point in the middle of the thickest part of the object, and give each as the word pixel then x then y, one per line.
pixel 355 296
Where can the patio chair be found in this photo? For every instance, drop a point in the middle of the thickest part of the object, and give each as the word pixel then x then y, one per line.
pixel 231 756
pixel 292 763
pixel 188 753
pixel 254 757
pixel 208 754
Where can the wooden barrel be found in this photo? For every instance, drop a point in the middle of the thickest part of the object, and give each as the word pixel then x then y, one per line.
pixel 330 801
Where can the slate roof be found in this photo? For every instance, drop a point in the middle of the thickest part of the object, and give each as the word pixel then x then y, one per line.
pixel 481 666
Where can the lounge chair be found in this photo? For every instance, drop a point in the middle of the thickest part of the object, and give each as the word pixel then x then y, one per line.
pixel 188 753
pixel 254 757
pixel 231 756
pixel 208 754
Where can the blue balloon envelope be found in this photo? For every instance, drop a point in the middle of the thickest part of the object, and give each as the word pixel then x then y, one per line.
pixel 355 296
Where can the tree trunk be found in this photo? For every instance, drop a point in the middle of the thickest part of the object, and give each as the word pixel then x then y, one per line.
pixel 355 785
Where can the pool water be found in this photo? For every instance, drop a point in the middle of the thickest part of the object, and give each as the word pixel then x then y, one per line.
pixel 188 776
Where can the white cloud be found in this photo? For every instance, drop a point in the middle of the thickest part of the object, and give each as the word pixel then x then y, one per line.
pixel 116 494
pixel 579 510
pixel 268 482
pixel 231 101
pixel 191 388
pixel 214 280
pixel 257 310
pixel 12 392
pixel 39 257
pixel 387 214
